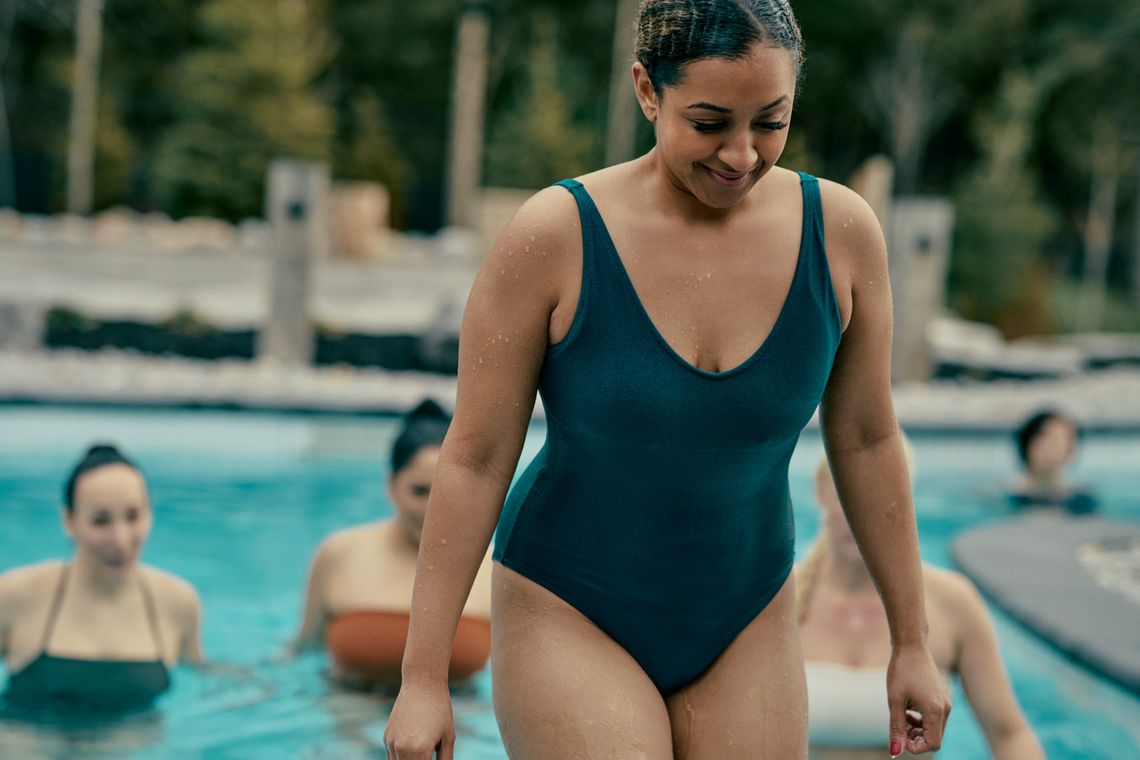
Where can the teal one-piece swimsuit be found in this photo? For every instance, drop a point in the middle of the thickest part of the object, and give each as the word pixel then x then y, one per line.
pixel 659 504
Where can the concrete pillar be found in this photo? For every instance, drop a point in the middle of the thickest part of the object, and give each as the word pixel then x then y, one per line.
pixel 22 325
pixel 468 104
pixel 297 210
pixel 84 107
pixel 919 258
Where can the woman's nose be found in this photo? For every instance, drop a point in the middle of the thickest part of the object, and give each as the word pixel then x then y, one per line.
pixel 738 153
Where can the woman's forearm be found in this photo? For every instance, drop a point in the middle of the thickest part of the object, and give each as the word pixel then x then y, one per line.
pixel 461 517
pixel 1020 744
pixel 875 492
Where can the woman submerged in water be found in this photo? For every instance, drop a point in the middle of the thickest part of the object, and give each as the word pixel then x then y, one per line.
pixel 1046 445
pixel 360 582
pixel 847 647
pixel 98 633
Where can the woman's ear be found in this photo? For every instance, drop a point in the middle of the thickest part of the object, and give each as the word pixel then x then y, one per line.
pixel 646 95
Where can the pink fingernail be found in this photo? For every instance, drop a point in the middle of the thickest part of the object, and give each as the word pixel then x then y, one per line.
pixel 896 748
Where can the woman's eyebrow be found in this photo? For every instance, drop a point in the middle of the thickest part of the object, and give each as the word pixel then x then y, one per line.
pixel 722 109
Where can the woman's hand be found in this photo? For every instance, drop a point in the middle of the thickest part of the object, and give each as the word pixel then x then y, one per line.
pixel 918 699
pixel 421 724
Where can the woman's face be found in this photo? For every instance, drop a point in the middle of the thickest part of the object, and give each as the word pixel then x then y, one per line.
pixel 724 124
pixel 839 533
pixel 111 518
pixel 410 488
pixel 1052 448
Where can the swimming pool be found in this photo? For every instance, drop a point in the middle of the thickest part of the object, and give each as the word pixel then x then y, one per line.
pixel 242 499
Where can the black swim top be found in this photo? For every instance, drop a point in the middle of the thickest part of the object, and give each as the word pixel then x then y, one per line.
pixel 659 505
pixel 67 684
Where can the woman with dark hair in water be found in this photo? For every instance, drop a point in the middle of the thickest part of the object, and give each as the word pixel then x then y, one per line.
pixel 100 632
pixel 360 582
pixel 1046 445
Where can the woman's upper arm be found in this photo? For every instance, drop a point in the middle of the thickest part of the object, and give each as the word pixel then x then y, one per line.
pixel 856 407
pixel 313 616
pixel 191 651
pixel 979 662
pixel 6 604
pixel 532 270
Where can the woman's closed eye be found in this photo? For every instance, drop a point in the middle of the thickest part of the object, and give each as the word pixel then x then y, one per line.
pixel 716 126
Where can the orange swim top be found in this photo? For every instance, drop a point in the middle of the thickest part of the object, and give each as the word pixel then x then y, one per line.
pixel 370 644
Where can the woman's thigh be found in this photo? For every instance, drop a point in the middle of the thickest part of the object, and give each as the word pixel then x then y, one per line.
pixel 562 688
pixel 752 701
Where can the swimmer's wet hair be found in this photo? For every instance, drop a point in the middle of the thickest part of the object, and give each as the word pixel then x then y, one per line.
pixel 99 455
pixel 1031 428
pixel 424 427
pixel 672 33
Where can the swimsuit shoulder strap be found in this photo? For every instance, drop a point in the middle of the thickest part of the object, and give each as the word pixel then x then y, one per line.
pixel 813 249
pixel 56 603
pixel 152 618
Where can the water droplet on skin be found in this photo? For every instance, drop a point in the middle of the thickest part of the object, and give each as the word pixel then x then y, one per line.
pixel 511 252
pixel 528 249
pixel 506 340
pixel 431 567
pixel 502 271
pixel 500 336
pixel 532 238
pixel 480 359
pixel 443 542
pixel 516 278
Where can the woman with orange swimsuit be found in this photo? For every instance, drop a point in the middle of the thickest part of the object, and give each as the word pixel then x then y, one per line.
pixel 360 582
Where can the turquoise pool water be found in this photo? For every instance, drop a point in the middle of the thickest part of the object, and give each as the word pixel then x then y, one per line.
pixel 243 499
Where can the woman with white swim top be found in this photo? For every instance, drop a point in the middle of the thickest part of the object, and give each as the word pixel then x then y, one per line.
pixel 846 645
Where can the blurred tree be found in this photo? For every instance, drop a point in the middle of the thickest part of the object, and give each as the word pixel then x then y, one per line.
pixel 537 142
pixel 398 56
pixel 248 95
pixel 997 273
pixel 367 149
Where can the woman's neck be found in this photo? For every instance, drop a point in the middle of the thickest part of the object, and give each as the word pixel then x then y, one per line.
pixel 89 575
pixel 1044 482
pixel 846 572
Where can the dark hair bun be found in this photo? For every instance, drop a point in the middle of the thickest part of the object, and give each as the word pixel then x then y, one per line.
pixel 98 455
pixel 428 409
pixel 102 449
pixel 425 426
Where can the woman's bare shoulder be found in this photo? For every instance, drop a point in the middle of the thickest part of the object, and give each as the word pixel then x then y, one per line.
pixel 173 589
pixel 26 582
pixel 848 219
pixel 953 592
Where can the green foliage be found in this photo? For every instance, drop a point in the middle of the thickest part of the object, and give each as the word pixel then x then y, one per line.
pixel 1002 223
pixel 367 148
pixel 536 142
pixel 1120 314
pixel 249 96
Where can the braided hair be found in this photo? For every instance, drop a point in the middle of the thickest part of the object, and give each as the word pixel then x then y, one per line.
pixel 672 33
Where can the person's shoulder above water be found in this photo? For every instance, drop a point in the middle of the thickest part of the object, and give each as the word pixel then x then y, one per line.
pixel 177 601
pixel 952 592
pixel 28 583
pixel 1075 500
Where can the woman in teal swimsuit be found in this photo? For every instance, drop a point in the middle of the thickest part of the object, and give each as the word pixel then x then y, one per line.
pixel 682 316
pixel 98 633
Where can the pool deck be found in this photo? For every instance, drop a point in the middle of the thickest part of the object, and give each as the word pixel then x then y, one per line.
pixel 419 288
pixel 1031 567
pixel 1106 400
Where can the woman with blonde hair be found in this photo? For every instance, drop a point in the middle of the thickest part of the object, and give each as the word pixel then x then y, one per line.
pixel 847 645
